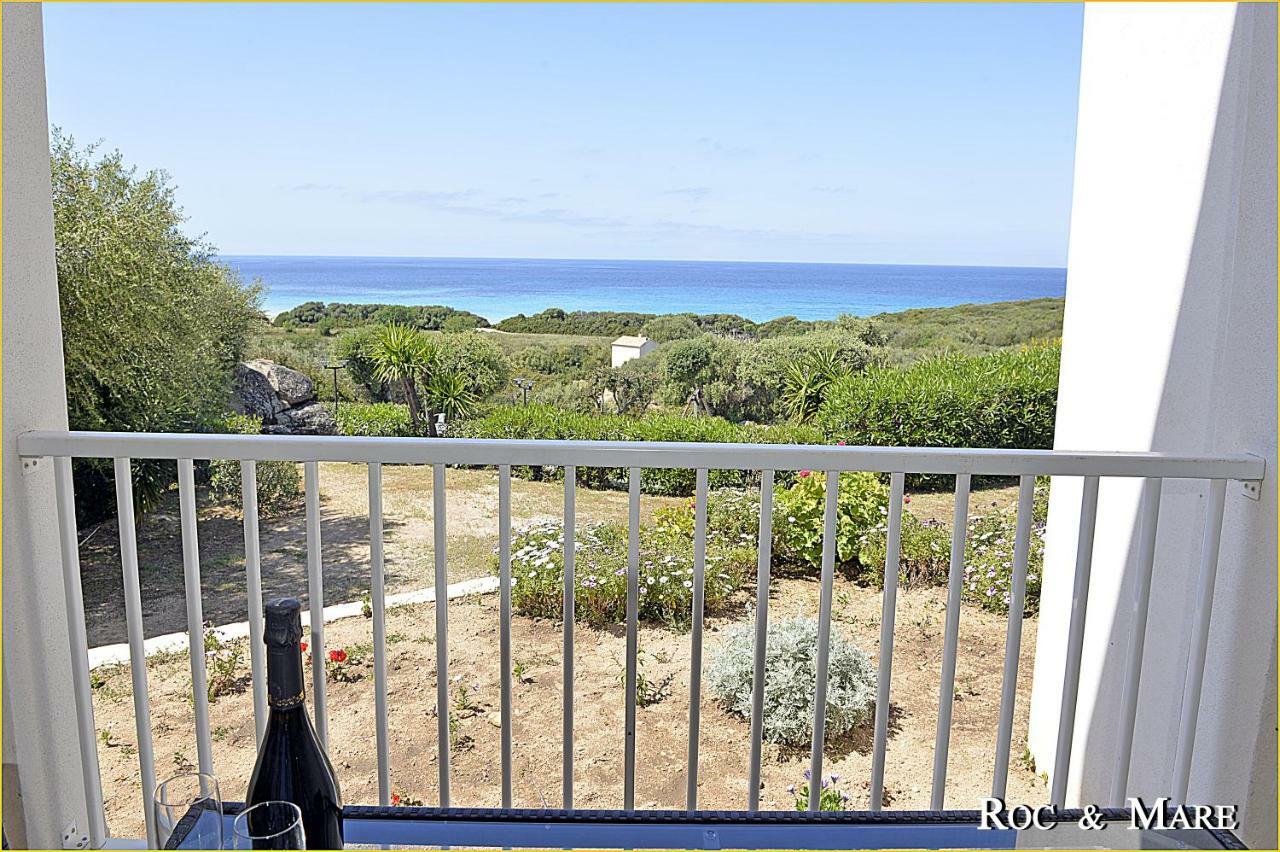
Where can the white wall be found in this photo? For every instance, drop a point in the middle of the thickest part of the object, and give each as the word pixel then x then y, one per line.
pixel 42 771
pixel 1170 344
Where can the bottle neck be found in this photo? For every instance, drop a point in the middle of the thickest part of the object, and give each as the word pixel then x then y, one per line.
pixel 286 688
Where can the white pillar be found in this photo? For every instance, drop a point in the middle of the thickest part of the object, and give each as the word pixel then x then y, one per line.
pixel 43 792
pixel 1170 344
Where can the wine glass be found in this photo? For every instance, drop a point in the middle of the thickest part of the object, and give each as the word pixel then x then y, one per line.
pixel 269 825
pixel 193 800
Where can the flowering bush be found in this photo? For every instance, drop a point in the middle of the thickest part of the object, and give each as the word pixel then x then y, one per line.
pixel 988 560
pixel 830 799
pixel 924 553
pixel 600 571
pixel 791 675
pixel 988 563
pixel 798 511
pixel 339 666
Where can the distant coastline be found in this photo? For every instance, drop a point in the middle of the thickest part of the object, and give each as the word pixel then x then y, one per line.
pixel 498 288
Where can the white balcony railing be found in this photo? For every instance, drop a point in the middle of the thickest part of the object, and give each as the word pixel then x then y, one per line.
pixel 1153 468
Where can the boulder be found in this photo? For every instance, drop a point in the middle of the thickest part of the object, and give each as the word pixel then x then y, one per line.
pixel 253 394
pixel 314 418
pixel 292 387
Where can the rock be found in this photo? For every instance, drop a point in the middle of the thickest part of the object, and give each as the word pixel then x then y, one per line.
pixel 314 418
pixel 292 387
pixel 253 394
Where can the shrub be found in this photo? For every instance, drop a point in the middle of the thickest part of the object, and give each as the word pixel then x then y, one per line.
pixel 988 568
pixel 152 324
pixel 375 419
pixel 988 571
pixel 924 554
pixel 600 570
pixel 791 677
pixel 1007 399
pixel 798 514
pixel 278 481
pixel 546 422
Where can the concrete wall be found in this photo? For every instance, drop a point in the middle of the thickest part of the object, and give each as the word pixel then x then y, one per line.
pixel 1170 344
pixel 43 793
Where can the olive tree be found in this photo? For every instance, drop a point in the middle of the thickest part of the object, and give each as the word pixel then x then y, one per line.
pixel 152 324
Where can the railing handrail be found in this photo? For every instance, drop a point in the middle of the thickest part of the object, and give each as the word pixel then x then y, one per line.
pixel 648 454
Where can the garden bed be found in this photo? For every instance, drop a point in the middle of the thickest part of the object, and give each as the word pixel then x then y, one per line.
pixel 661 730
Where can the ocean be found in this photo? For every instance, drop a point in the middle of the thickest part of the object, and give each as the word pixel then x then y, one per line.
pixel 496 288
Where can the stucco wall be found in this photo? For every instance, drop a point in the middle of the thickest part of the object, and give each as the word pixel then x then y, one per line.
pixel 1170 344
pixel 42 791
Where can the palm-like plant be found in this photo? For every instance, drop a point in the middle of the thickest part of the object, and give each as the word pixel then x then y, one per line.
pixel 450 395
pixel 807 381
pixel 400 354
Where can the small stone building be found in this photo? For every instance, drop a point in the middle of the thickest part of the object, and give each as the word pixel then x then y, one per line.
pixel 627 348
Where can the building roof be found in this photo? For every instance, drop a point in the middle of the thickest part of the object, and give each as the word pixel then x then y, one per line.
pixel 628 340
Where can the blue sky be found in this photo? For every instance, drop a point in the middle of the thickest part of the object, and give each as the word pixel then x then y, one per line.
pixel 894 133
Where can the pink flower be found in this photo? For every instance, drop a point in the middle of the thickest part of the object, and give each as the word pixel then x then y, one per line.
pixel 840 443
pixel 906 499
pixel 805 473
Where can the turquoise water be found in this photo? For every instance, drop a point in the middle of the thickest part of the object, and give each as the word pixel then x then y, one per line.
pixel 497 288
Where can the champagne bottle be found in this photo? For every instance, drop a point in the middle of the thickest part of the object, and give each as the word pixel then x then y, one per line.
pixel 292 766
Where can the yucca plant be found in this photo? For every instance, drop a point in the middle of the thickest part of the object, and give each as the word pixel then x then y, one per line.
pixel 400 354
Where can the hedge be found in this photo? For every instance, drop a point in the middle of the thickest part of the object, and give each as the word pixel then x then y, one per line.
pixel 1005 399
pixel 544 422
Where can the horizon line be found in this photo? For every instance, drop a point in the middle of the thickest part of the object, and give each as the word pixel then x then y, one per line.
pixel 643 260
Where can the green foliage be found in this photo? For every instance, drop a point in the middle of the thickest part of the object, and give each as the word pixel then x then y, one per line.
pixel 600 568
pixel 375 419
pixel 444 374
pixel 278 481
pixel 449 393
pixel 1007 399
pixel 988 570
pixel 632 386
pixel 152 324
pixel 829 798
pixel 807 382
pixel 353 349
pixel 544 422
pixel 399 354
pixel 924 553
pixel 560 360
pixel 222 665
pixel 615 323
pixel 973 329
pixel 475 357
pixel 791 674
pixel 342 315
pixel 306 352
pixel 670 327
pixel 799 512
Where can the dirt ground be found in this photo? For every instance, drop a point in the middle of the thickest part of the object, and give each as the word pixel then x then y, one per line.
pixel 662 731
pixel 471 511
pixel 408 519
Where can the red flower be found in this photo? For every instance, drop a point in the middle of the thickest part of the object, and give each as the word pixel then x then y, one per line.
pixel 304 647
pixel 906 499
pixel 338 656
pixel 804 473
pixel 395 798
